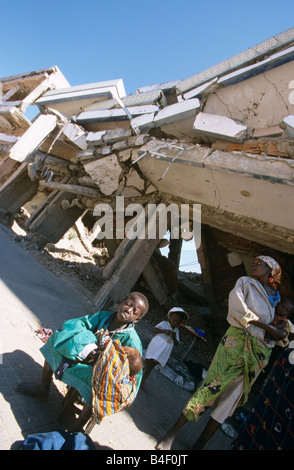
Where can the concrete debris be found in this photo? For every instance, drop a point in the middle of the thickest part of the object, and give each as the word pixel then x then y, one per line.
pixel 177 112
pixel 31 140
pixel 95 138
pixel 220 127
pixel 143 123
pixel 223 138
pixel 133 179
pixel 70 100
pixel 76 135
pixel 105 173
pixel 207 87
pixel 288 124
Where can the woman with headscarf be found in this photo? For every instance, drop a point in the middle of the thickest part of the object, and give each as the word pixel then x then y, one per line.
pixel 242 354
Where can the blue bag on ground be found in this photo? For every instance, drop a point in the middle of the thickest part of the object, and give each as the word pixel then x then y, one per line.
pixel 58 440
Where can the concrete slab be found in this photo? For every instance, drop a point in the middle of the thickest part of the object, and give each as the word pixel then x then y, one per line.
pixel 217 126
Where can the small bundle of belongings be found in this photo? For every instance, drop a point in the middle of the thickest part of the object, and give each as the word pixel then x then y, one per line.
pixel 113 389
pixel 55 440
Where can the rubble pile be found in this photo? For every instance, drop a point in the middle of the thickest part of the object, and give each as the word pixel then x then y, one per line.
pixel 215 151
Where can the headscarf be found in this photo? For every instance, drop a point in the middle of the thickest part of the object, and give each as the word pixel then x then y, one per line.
pixel 276 272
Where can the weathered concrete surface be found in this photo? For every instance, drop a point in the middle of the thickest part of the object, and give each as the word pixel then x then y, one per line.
pixel 244 185
pixel 219 126
pixel 252 100
pixel 105 173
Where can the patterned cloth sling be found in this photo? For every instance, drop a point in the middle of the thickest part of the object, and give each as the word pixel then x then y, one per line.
pixel 113 389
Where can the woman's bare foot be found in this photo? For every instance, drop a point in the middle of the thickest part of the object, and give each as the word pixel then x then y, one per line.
pixel 166 443
pixel 33 390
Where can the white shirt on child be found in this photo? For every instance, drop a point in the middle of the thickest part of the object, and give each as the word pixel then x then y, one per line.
pixel 160 347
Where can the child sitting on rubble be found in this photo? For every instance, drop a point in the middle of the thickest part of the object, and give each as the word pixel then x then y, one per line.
pixel 284 310
pixel 68 351
pixel 166 336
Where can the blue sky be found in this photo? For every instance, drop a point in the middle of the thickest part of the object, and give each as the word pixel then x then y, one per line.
pixel 142 42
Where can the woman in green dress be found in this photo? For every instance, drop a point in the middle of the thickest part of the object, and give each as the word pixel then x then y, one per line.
pixel 241 355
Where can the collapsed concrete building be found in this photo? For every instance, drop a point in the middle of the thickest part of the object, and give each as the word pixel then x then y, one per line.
pixel 222 139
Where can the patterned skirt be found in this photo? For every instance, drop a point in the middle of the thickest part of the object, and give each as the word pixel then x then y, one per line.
pixel 237 354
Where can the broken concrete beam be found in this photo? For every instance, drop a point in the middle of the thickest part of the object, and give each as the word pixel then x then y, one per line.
pixel 103 151
pixel 154 284
pixel 71 100
pixel 87 181
pixel 14 117
pixel 33 137
pixel 17 190
pixel 288 125
pixel 118 257
pixel 5 148
pixel 177 112
pixel 139 140
pixel 86 155
pixel 135 141
pixel 10 93
pixel 114 135
pixel 140 110
pixel 59 148
pixel 95 138
pixel 272 131
pixel 127 272
pixel 257 68
pixel 143 123
pixel 7 168
pixel 35 165
pixel 71 188
pixel 54 162
pixel 76 135
pixel 81 230
pixel 51 221
pixel 104 115
pixel 36 93
pixel 216 126
pixel 207 87
pixel 121 145
pixel 271 169
pixel 105 173
pixel 8 139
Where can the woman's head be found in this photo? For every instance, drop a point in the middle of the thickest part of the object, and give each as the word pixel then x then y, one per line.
pixel 265 267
